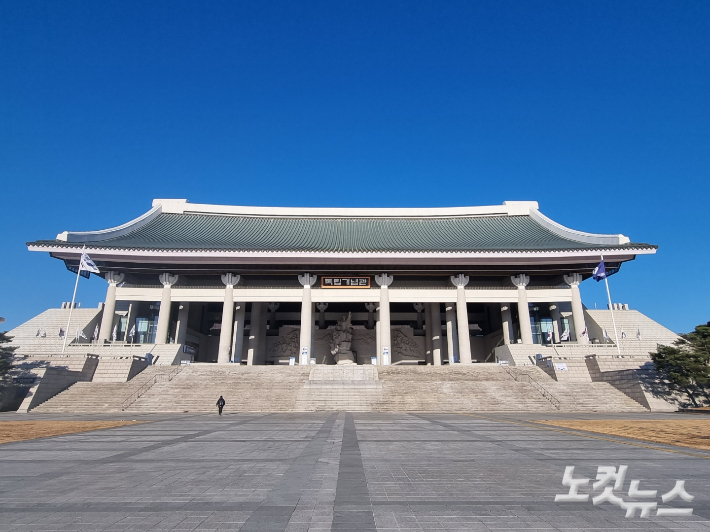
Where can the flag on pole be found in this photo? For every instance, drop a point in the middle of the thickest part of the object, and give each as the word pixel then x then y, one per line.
pixel 80 334
pixel 599 272
pixel 87 264
pixel 61 332
pixel 607 338
pixel 96 333
pixel 638 334
pixel 132 332
pixel 565 335
pixel 623 334
pixel 44 334
pixel 113 334
pixel 549 335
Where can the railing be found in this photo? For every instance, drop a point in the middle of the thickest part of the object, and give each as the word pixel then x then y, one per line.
pixel 525 377
pixel 160 377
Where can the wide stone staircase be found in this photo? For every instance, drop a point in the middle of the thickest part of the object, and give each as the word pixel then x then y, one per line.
pixel 347 388
pixel 592 397
pixel 95 397
pixel 476 388
pixel 244 388
pixel 479 388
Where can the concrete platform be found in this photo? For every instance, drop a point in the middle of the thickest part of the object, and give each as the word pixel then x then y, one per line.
pixel 334 471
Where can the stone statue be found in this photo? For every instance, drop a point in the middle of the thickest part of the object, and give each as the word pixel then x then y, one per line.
pixel 340 345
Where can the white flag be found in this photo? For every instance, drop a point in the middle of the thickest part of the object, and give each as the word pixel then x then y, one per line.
pixel 87 264
pixel 607 338
pixel 39 331
pixel 80 334
pixel 565 335
pixel 132 332
pixel 623 334
pixel 638 334
pixel 44 334
pixel 96 333
pixel 549 335
pixel 113 334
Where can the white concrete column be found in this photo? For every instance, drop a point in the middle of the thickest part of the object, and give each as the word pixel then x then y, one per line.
pixel 225 331
pixel 238 332
pixel 378 339
pixel 507 320
pixel 428 355
pixel 384 357
pixel 304 354
pixel 183 314
pixel 321 314
pixel 460 281
pixel 521 281
pixel 168 280
pixel 556 319
pixel 109 313
pixel 255 326
pixel 435 333
pixel 580 327
pixel 452 337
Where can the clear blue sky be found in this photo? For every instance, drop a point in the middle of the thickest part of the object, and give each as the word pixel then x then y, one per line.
pixel 598 110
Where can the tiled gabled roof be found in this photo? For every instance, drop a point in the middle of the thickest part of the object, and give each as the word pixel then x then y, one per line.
pixel 193 231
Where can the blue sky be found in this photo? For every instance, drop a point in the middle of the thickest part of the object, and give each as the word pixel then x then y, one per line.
pixel 598 110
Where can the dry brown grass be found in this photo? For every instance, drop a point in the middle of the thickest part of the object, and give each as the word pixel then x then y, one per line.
pixel 28 430
pixel 694 433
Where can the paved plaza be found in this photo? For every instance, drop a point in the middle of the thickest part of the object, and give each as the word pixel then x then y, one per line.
pixel 335 471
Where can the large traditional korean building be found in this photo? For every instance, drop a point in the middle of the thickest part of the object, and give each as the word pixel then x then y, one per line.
pixel 258 285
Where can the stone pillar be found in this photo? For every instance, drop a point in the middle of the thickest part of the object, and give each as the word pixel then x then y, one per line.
pixel 273 307
pixel 555 315
pixel 183 314
pixel 371 307
pixel 521 281
pixel 435 333
pixel 419 307
pixel 257 311
pixel 321 314
pixel 378 339
pixel 460 281
pixel 580 327
pixel 225 331
pixel 108 316
pixel 304 354
pixel 452 337
pixel 507 320
pixel 384 280
pixel 238 332
pixel 168 280
pixel 428 356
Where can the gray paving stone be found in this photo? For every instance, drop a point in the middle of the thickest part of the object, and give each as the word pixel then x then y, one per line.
pixel 323 471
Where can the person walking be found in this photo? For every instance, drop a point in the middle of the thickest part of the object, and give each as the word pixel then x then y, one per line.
pixel 220 404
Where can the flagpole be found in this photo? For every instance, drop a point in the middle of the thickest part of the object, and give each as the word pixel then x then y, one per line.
pixel 611 308
pixel 73 297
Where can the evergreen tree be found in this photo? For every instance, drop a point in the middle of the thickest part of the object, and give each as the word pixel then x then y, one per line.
pixel 6 353
pixel 685 365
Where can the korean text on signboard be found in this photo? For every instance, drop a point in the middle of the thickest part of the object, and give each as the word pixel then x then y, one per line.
pixel 345 282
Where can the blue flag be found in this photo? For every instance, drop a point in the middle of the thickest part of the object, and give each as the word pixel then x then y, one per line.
pixel 599 272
